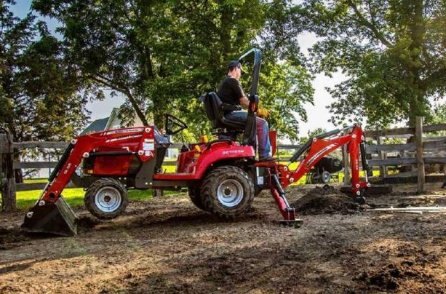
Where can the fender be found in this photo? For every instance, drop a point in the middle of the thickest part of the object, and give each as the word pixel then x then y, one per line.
pixel 205 156
pixel 222 151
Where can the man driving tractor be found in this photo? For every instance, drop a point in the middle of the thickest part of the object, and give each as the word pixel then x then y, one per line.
pixel 231 92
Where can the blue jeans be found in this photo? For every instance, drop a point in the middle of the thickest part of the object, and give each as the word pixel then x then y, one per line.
pixel 262 131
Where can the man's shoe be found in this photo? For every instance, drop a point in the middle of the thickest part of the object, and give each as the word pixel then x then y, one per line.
pixel 267 158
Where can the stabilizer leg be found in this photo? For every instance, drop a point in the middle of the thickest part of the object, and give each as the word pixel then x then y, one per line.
pixel 286 210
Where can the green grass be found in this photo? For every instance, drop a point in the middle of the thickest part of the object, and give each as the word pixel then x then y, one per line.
pixel 35 181
pixel 75 196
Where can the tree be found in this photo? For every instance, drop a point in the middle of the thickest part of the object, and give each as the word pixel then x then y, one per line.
pixel 162 55
pixel 39 92
pixel 151 51
pixel 392 52
pixel 285 84
pixel 311 134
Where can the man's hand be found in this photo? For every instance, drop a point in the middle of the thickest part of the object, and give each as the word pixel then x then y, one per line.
pixel 244 102
pixel 262 112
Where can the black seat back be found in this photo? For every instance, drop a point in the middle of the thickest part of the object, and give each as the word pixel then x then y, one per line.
pixel 215 109
pixel 212 105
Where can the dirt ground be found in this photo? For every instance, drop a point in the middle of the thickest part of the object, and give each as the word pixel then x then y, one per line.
pixel 166 245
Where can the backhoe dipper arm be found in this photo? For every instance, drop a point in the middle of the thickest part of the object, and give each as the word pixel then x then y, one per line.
pixel 320 146
pixel 281 177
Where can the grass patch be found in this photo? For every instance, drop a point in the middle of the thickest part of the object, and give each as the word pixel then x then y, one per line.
pixel 75 196
pixel 35 181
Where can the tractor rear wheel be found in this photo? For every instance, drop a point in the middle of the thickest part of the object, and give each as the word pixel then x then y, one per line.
pixel 227 192
pixel 195 197
pixel 106 198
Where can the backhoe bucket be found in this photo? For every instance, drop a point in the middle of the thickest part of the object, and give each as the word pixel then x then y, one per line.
pixel 52 218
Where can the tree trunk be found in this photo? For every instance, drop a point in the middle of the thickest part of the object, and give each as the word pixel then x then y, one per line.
pixel 417 107
pixel 417 32
pixel 225 32
pixel 7 179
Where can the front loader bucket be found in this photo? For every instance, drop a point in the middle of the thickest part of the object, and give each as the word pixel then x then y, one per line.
pixel 53 218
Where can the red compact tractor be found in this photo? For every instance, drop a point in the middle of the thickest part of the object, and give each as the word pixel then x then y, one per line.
pixel 222 176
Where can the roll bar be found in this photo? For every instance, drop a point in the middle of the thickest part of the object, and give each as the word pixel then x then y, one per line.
pixel 256 69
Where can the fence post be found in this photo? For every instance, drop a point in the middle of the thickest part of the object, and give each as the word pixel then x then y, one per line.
pixel 420 150
pixel 157 192
pixel 382 155
pixel 7 178
pixel 346 163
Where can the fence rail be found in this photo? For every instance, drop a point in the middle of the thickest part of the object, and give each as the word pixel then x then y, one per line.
pixel 418 152
pixel 421 150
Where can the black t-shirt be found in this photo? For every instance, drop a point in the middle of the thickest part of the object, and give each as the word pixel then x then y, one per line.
pixel 230 91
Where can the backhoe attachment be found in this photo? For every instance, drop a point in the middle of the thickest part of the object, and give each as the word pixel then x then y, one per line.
pixel 280 176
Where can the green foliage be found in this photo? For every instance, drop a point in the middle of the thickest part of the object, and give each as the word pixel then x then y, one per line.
pixel 159 54
pixel 39 91
pixel 311 134
pixel 285 84
pixel 285 87
pixel 162 55
pixel 392 52
pixel 439 115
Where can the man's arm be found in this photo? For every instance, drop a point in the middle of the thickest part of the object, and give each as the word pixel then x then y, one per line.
pixel 244 101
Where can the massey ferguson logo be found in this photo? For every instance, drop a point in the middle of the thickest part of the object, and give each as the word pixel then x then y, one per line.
pixel 233 152
pixel 123 138
pixel 123 131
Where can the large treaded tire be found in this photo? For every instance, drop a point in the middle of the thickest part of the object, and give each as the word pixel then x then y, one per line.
pixel 106 198
pixel 195 197
pixel 227 191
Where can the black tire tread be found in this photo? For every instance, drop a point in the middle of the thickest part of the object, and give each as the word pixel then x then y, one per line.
pixel 211 203
pixel 195 197
pixel 91 192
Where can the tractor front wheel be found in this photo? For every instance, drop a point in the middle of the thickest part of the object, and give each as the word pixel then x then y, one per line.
pixel 227 192
pixel 106 198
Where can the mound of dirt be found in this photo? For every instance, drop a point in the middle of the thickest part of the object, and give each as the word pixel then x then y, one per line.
pixel 86 223
pixel 389 278
pixel 10 236
pixel 325 200
pixel 385 279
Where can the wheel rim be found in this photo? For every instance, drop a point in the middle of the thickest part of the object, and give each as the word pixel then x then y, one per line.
pixel 108 199
pixel 230 193
pixel 326 177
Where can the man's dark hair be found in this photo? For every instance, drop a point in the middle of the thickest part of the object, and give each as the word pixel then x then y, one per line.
pixel 233 65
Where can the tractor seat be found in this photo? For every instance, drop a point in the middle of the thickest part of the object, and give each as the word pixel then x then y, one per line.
pixel 215 108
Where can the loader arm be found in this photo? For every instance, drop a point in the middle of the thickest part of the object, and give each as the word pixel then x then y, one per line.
pixel 61 175
pixel 51 214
